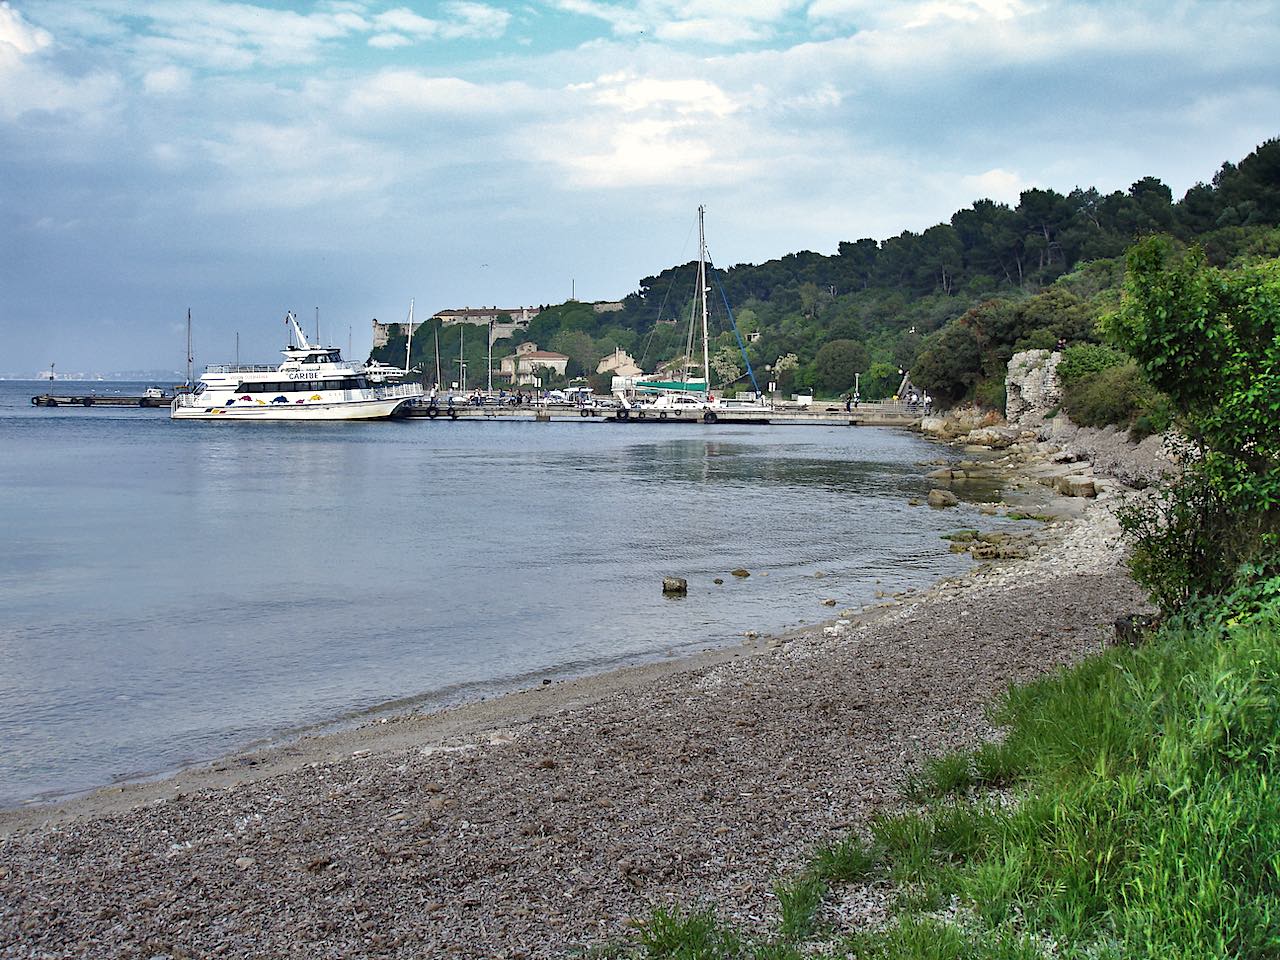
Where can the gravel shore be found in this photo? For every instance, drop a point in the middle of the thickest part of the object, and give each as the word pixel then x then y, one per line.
pixel 544 821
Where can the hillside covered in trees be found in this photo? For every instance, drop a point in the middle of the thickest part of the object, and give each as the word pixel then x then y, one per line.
pixel 950 304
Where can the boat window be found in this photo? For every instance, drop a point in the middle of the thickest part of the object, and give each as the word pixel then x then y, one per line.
pixel 199 388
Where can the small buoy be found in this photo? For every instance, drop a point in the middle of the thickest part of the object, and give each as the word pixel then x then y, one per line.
pixel 675 585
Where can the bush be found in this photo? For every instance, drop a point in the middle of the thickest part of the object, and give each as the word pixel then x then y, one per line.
pixel 1189 542
pixel 991 393
pixel 1113 395
pixel 1210 340
pixel 1082 361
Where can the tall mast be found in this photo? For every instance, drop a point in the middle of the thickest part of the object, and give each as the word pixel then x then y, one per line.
pixel 408 344
pixel 462 364
pixel 437 384
pixel 190 358
pixel 702 293
pixel 489 362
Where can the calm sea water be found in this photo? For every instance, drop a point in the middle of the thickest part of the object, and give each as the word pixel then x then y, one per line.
pixel 172 591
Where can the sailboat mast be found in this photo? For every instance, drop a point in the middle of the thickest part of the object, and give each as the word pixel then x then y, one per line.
pixel 437 384
pixel 408 344
pixel 702 294
pixel 190 358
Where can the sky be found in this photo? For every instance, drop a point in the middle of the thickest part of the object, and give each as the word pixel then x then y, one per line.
pixel 346 156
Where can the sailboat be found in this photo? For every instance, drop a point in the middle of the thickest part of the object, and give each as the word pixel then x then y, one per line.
pixel 379 372
pixel 690 397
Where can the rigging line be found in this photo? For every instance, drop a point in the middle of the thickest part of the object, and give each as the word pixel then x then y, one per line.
pixel 665 297
pixel 741 346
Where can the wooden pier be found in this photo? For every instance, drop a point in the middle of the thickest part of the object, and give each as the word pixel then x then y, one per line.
pixel 887 414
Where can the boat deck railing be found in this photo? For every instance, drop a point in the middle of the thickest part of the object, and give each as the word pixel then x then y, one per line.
pixel 241 368
pixel 398 390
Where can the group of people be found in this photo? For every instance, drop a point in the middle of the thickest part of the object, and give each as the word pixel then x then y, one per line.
pixel 914 401
pixel 477 398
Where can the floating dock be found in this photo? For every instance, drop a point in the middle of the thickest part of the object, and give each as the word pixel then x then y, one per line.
pixel 100 400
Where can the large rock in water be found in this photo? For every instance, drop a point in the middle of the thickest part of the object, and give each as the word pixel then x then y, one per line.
pixel 942 498
pixel 1031 386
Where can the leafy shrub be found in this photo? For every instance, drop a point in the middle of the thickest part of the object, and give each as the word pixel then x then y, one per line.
pixel 991 393
pixel 1112 395
pixel 1082 361
pixel 1210 340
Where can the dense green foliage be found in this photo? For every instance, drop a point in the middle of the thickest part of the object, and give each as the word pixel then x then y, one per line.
pixel 1209 339
pixel 951 303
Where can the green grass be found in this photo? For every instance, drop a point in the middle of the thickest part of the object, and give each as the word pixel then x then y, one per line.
pixel 1147 822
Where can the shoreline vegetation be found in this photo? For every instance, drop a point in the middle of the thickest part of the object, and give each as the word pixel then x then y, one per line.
pixel 558 818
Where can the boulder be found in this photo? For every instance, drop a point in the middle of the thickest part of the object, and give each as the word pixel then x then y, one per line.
pixel 942 498
pixel 1076 485
pixel 997 438
pixel 675 585
pixel 934 426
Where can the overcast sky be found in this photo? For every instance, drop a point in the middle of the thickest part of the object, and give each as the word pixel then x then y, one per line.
pixel 243 159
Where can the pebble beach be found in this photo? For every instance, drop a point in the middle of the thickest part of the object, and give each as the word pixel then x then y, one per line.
pixel 544 822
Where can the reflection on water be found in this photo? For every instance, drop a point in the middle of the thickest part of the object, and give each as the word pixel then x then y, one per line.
pixel 173 591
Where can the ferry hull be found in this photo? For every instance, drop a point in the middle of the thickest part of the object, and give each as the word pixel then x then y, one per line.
pixel 377 409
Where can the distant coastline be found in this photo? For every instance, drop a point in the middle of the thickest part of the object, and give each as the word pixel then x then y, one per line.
pixel 127 376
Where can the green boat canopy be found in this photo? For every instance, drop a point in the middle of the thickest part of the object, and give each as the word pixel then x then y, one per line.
pixel 673 385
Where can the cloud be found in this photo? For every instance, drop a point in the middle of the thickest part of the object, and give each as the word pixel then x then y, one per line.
pixel 630 130
pixel 719 22
pixel 1004 186
pixel 166 80
pixel 266 166
pixel 19 35
pixel 31 83
pixel 875 14
pixel 393 91
pixel 389 41
pixel 684 97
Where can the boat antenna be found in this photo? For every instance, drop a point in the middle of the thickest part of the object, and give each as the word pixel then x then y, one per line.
pixel 292 319
pixel 408 343
pixel 237 348
pixel 317 326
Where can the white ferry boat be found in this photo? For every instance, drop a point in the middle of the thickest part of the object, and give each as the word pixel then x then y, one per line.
pixel 313 383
